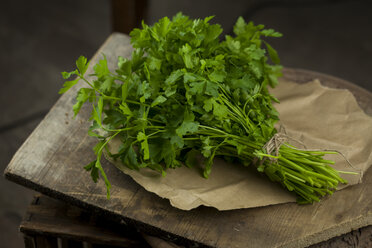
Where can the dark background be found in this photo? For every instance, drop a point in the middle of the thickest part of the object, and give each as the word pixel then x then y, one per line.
pixel 40 38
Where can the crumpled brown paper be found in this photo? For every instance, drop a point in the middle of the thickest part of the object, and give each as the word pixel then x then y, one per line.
pixel 318 116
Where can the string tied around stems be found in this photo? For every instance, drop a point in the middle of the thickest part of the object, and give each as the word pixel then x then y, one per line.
pixel 281 138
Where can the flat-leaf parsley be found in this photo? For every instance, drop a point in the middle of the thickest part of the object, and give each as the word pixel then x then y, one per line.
pixel 186 93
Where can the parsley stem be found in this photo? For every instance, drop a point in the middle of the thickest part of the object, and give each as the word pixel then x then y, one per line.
pixel 156 132
pixel 99 92
pixel 159 127
pixel 117 130
pixel 98 163
pixel 86 81
pixel 137 103
pixel 196 138
pixel 108 140
pixel 112 97
pixel 214 129
pixel 150 119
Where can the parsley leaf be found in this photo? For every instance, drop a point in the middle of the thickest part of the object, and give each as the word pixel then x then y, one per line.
pixel 82 65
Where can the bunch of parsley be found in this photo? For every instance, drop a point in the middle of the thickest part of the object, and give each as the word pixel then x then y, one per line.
pixel 185 93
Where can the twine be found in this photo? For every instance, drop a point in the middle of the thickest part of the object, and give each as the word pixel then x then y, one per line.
pixel 281 138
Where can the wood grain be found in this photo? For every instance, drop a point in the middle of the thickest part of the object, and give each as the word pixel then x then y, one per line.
pixel 51 160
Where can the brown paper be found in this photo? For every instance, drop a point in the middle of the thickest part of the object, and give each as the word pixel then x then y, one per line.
pixel 320 117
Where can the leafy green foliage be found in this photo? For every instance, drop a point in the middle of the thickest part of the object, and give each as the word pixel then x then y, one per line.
pixel 185 94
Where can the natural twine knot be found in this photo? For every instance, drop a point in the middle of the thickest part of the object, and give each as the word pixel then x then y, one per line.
pixel 273 145
pixel 281 138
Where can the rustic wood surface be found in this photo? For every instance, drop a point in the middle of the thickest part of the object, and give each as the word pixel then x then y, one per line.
pixel 51 160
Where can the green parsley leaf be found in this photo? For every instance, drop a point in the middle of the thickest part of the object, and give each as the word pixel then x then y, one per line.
pixel 67 75
pixel 93 170
pixel 83 95
pixel 82 65
pixel 67 85
pixel 273 54
pixel 101 70
pixel 158 100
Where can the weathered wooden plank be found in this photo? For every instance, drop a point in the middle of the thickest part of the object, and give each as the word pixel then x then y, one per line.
pixel 51 161
pixel 53 152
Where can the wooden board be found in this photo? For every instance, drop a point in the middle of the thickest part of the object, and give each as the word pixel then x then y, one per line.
pixel 51 160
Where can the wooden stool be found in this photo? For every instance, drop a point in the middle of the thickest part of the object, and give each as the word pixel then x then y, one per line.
pixel 52 223
pixel 51 160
